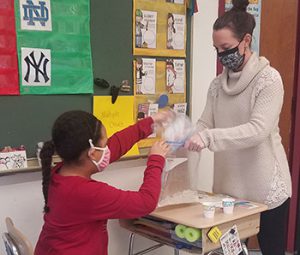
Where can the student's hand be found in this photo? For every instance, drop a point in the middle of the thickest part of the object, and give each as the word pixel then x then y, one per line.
pixel 163 116
pixel 160 148
pixel 194 143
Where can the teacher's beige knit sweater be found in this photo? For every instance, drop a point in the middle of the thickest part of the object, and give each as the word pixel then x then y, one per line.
pixel 240 124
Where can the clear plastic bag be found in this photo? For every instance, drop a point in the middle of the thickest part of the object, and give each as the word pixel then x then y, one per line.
pixel 177 130
pixel 177 187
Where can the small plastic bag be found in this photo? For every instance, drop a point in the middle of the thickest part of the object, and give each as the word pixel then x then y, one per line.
pixel 177 130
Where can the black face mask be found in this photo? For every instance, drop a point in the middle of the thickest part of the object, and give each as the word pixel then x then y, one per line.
pixel 232 59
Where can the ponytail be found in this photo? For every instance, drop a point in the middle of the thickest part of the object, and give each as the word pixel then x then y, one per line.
pixel 46 159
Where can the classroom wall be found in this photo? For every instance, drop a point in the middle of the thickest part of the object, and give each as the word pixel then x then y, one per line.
pixel 203 60
pixel 21 196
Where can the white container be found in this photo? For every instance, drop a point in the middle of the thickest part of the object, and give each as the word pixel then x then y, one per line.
pixel 209 209
pixel 228 205
pixel 38 151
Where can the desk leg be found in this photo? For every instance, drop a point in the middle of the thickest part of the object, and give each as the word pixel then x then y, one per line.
pixel 131 240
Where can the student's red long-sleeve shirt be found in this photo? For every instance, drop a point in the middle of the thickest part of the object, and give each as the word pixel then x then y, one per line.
pixel 80 208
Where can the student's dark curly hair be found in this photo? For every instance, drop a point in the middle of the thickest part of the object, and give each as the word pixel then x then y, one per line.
pixel 237 20
pixel 70 137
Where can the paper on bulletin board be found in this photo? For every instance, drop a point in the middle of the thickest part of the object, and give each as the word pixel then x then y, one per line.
pixel 115 117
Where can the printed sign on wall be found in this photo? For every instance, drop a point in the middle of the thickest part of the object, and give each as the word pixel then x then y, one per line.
pixel 36 67
pixel 35 15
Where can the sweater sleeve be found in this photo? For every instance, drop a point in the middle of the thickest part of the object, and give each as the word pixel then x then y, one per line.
pixel 122 141
pixel 264 117
pixel 112 203
pixel 207 119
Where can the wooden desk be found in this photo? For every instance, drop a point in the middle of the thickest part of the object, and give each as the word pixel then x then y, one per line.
pixel 247 222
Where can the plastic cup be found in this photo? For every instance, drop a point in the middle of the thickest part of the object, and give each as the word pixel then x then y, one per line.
pixel 228 205
pixel 209 209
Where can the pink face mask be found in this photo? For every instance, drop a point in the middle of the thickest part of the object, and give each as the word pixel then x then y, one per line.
pixel 104 160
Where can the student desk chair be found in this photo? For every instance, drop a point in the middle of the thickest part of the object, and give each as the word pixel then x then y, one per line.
pixel 246 219
pixel 15 242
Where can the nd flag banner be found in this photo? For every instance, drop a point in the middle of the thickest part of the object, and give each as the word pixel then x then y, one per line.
pixel 53 43
pixel 9 84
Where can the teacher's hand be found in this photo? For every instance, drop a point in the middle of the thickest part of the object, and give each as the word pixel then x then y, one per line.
pixel 195 143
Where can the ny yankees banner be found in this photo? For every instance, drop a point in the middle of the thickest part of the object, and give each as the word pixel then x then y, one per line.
pixel 53 43
pixel 9 84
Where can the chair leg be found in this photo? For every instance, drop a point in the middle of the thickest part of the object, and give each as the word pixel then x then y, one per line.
pixel 245 249
pixel 176 251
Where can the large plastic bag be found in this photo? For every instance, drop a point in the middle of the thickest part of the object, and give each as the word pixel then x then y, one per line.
pixel 177 186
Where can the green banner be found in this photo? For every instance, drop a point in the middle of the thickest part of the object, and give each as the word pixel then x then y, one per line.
pixel 54 50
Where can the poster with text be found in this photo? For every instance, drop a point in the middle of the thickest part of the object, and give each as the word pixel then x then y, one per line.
pixel 146 110
pixel 175 76
pixel 180 108
pixel 53 43
pixel 145 75
pixel 253 8
pixel 175 31
pixel 145 29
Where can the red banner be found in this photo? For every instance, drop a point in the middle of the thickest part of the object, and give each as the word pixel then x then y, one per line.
pixel 9 81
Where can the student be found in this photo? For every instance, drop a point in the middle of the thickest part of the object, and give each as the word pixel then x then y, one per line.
pixel 76 206
pixel 240 124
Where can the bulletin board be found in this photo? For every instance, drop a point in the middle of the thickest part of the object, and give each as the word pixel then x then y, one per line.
pixel 28 119
pixel 160 89
pixel 163 9
pixel 159 39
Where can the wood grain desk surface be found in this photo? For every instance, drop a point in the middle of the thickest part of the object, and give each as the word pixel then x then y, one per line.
pixel 192 214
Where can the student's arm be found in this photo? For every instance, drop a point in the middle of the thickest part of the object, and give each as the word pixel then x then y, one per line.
pixel 112 203
pixel 122 141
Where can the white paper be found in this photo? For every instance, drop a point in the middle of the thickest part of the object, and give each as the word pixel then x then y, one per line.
pixel 153 109
pixel 13 160
pixel 178 83
pixel 145 76
pixel 35 15
pixel 36 67
pixel 176 31
pixel 180 108
pixel 145 29
pixel 231 243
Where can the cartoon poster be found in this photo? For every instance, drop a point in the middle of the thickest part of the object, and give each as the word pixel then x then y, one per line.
pixel 175 75
pixel 54 49
pixel 253 8
pixel 176 31
pixel 180 108
pixel 145 75
pixel 13 160
pixel 145 29
pixel 146 110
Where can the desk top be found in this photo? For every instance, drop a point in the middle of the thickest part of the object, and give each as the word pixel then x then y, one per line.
pixel 192 214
